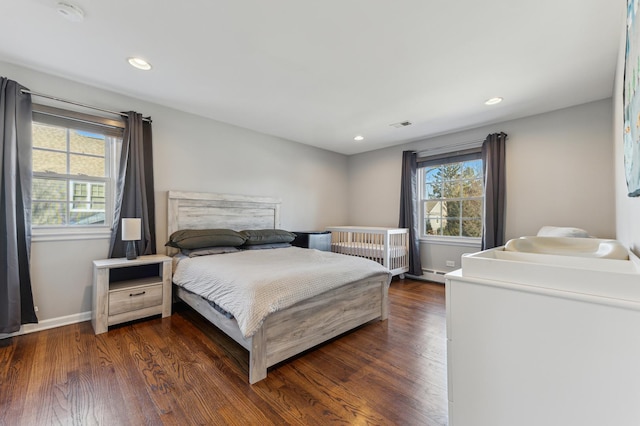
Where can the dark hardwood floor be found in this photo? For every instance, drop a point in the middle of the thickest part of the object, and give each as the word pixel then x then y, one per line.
pixel 181 370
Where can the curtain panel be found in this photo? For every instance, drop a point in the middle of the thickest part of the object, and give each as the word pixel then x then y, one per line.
pixel 493 158
pixel 409 209
pixel 16 298
pixel 134 189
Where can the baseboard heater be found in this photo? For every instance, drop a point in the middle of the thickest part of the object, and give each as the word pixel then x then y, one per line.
pixel 433 275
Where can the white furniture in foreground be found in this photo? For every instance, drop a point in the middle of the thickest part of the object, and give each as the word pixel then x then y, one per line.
pixel 540 339
pixel 126 290
pixel 387 246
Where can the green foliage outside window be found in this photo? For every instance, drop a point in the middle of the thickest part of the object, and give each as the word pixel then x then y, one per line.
pixel 453 199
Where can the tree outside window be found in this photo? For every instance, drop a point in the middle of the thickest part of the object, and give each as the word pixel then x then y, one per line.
pixel 453 199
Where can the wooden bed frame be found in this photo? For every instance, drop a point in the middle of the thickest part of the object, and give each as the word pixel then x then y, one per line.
pixel 291 331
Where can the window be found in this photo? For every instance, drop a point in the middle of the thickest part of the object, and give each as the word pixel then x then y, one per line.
pixel 74 169
pixel 452 197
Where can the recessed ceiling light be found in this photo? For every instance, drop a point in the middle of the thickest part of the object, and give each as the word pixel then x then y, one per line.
pixel 493 101
pixel 70 11
pixel 358 138
pixel 139 63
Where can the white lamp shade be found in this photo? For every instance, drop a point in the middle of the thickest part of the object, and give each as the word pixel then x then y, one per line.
pixel 131 229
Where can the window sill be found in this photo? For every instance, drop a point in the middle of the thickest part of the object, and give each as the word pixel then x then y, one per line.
pixel 453 241
pixel 42 234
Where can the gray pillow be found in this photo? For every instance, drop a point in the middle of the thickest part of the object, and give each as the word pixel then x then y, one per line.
pixel 201 238
pixel 267 236
pixel 209 250
pixel 266 246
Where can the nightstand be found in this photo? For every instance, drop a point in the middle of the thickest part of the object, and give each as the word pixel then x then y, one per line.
pixel 319 240
pixel 126 290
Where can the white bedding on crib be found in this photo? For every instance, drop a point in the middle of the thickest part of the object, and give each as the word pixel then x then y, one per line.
pixel 367 249
pixel 251 284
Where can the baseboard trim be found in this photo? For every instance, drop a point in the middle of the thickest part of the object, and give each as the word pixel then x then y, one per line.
pixel 431 275
pixel 49 323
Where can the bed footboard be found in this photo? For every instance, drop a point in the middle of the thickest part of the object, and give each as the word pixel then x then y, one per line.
pixel 304 325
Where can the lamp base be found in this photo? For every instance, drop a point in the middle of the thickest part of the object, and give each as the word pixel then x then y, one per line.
pixel 131 250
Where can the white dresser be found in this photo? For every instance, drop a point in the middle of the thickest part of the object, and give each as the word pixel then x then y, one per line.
pixel 537 343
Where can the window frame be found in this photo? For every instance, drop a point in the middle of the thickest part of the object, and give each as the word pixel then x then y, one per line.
pixel 471 154
pixel 113 130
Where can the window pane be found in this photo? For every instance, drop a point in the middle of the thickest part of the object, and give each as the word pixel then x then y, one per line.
pixel 450 171
pixel 86 143
pixel 98 195
pixel 434 208
pixel 472 228
pixel 86 166
pixel 431 174
pixel 432 190
pixel 433 225
pixel 48 213
pixel 433 217
pixel 451 228
pixel 80 196
pixel 472 209
pixel 49 162
pixel 86 218
pixel 97 206
pixel 451 210
pixel 472 188
pixel 49 189
pixel 50 137
pixel 472 169
pixel 80 191
pixel 452 189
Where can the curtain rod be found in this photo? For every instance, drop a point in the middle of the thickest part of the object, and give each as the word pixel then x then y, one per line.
pixel 42 95
pixel 450 148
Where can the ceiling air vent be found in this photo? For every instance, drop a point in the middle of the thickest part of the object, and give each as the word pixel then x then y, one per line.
pixel 401 124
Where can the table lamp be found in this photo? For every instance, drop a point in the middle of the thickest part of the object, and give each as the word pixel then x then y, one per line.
pixel 131 232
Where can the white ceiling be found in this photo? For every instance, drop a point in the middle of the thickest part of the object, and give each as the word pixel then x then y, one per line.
pixel 320 72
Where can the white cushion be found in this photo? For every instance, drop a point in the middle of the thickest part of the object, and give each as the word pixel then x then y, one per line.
pixel 558 231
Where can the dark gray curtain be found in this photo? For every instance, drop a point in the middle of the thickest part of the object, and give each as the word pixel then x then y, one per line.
pixel 493 158
pixel 409 209
pixel 134 192
pixel 16 299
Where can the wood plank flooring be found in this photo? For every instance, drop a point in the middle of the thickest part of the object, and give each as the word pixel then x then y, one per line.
pixel 181 370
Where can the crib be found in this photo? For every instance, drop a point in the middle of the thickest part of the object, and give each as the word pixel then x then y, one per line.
pixel 387 246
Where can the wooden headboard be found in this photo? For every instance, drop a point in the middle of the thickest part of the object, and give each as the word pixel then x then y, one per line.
pixel 205 210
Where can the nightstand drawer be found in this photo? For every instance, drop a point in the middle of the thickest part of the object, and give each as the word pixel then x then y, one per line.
pixel 133 299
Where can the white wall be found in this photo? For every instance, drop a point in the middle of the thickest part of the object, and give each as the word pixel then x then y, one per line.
pixel 627 208
pixel 190 153
pixel 559 172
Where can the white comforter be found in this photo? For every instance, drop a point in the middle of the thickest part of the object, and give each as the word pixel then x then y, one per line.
pixel 254 283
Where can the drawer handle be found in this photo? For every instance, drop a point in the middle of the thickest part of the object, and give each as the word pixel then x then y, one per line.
pixel 137 294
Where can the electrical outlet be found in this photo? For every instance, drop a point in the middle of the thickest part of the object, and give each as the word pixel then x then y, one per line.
pixel 35 308
pixel 451 263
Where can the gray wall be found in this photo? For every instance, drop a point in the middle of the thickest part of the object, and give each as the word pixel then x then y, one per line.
pixel 559 172
pixel 191 153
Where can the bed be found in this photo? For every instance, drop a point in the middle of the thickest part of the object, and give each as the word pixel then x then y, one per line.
pixel 290 330
pixel 387 246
